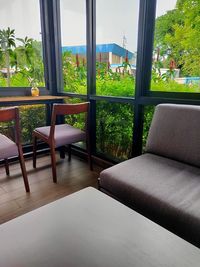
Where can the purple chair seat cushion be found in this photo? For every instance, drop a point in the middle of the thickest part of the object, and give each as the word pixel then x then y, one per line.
pixel 7 148
pixel 64 134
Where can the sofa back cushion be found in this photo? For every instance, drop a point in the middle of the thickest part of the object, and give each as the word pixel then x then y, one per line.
pixel 175 133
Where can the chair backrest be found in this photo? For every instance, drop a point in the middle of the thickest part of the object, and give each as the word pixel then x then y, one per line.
pixel 175 133
pixel 68 109
pixel 11 114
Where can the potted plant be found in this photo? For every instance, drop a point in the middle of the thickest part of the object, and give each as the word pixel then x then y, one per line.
pixel 34 86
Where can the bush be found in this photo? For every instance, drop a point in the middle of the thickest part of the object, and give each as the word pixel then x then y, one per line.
pixel 114 125
pixel 172 86
pixel 31 116
pixel 114 129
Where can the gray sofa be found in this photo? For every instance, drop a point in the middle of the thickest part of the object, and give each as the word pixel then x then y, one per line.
pixel 164 183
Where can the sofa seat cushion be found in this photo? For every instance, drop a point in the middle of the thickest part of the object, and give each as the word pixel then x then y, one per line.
pixel 165 190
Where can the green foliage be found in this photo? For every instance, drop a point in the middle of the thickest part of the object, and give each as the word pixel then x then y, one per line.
pixel 114 122
pixel 172 86
pixel 7 128
pixel 7 39
pixel 113 83
pixel 74 77
pixel 2 81
pixel 18 80
pixel 156 75
pixel 148 114
pixel 107 81
pixel 165 25
pixel 31 118
pixel 123 87
pixel 7 42
pixel 114 129
pixel 25 58
pixel 178 36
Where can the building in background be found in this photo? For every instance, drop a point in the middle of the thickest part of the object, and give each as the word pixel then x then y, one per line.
pixel 112 54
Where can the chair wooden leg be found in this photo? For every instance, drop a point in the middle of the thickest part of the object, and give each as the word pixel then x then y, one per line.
pixel 62 152
pixel 7 167
pixel 23 168
pixel 69 152
pixel 53 163
pixel 34 150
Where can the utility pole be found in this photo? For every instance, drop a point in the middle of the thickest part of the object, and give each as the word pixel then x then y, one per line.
pixel 124 42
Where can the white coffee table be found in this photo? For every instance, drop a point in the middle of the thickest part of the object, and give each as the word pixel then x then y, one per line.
pixel 90 229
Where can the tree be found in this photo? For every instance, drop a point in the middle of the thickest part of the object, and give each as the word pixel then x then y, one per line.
pixel 165 26
pixel 7 42
pixel 178 35
pixel 25 51
pixel 180 3
pixel 30 61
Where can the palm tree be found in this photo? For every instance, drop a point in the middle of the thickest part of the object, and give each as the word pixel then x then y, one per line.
pixel 7 42
pixel 26 50
pixel 14 60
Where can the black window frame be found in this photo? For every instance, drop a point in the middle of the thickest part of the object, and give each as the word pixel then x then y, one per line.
pixel 51 40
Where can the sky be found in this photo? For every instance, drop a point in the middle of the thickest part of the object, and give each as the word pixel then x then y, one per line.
pixel 163 6
pixel 21 15
pixel 117 20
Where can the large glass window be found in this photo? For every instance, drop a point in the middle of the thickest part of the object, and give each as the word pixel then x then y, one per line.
pixel 21 62
pixel 114 129
pixel 176 58
pixel 73 31
pixel 116 49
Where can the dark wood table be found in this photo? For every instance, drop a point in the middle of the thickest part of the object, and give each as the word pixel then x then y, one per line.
pixel 29 100
pixel 48 100
pixel 90 229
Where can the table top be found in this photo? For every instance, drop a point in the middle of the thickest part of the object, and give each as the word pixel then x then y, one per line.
pixel 90 229
pixel 29 99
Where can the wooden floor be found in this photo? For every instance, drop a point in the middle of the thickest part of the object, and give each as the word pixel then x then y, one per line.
pixel 72 176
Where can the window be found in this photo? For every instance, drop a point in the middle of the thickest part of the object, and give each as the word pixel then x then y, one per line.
pixel 176 64
pixel 116 49
pixel 73 31
pixel 114 129
pixel 21 62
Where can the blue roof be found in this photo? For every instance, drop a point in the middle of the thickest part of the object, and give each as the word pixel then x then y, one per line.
pixel 101 48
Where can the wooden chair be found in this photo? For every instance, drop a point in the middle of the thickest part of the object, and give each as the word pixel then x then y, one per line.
pixel 9 148
pixel 62 134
